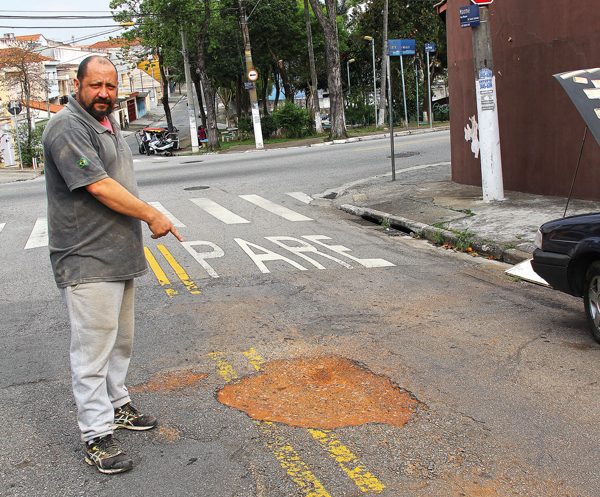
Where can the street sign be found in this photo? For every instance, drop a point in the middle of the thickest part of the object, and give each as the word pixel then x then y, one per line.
pixel 482 2
pixel 252 74
pixel 248 85
pixel 430 47
pixel 402 47
pixel 14 107
pixel 469 16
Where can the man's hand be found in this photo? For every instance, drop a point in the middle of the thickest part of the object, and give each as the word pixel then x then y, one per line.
pixel 117 198
pixel 161 226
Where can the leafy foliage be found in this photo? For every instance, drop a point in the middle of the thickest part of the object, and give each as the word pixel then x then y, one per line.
pixel 293 120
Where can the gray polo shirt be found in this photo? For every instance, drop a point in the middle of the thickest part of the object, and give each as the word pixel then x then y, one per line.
pixel 88 241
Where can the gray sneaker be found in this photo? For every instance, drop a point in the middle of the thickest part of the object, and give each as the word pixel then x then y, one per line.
pixel 130 418
pixel 107 456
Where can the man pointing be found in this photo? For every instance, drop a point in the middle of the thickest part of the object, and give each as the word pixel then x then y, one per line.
pixel 96 251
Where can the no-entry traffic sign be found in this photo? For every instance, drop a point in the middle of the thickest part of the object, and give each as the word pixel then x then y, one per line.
pixel 482 2
pixel 252 74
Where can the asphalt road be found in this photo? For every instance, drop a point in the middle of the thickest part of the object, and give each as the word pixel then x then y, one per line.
pixel 501 374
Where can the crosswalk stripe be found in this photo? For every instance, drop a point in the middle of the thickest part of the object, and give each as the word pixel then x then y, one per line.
pixel 274 208
pixel 39 234
pixel 176 222
pixel 301 196
pixel 218 211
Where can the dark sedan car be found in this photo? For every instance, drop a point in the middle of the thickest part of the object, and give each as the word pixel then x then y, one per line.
pixel 568 258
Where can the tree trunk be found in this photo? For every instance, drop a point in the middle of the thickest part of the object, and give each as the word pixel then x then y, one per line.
pixel 384 57
pixel 277 87
pixel 334 76
pixel 209 92
pixel 314 90
pixel 198 86
pixel 165 90
pixel 264 92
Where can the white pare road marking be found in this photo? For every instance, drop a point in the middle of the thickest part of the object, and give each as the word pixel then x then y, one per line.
pixel 301 248
pixel 267 255
pixel 301 196
pixel 274 208
pixel 176 222
pixel 39 234
pixel 201 257
pixel 340 249
pixel 218 211
pixel 2 225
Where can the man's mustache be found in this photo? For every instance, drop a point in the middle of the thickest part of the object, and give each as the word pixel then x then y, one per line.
pixel 106 101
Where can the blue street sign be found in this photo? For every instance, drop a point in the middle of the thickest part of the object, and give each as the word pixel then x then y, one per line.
pixel 469 16
pixel 430 47
pixel 402 47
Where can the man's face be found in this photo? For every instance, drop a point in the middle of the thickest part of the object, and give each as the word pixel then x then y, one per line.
pixel 97 91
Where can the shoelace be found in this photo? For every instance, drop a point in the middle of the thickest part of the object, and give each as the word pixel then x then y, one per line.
pixel 107 445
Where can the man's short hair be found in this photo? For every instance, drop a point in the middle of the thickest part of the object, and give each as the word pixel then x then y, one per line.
pixel 82 69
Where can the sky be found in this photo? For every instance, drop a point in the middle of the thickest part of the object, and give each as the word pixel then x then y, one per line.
pixel 67 28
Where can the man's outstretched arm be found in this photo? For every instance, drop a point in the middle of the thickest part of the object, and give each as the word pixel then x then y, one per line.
pixel 114 196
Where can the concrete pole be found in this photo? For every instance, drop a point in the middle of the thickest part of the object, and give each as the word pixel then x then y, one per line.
pixel 487 110
pixel 384 65
pixel 391 116
pixel 258 137
pixel 374 79
pixel 190 94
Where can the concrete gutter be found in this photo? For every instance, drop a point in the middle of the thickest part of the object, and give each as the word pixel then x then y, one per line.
pixel 437 235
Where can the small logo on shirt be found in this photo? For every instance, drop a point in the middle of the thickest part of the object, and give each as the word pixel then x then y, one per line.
pixel 83 162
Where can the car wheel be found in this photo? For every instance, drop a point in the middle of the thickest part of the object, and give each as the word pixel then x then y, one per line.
pixel 591 298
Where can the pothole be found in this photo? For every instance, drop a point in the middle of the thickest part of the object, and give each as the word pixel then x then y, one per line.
pixel 325 392
pixel 170 381
pixel 193 188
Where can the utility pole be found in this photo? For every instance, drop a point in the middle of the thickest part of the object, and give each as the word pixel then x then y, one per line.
pixel 487 109
pixel 190 94
pixel 258 138
pixel 313 71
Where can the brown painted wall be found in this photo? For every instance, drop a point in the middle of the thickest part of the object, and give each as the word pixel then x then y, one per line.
pixel 540 129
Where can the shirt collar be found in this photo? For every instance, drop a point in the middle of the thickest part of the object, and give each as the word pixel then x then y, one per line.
pixel 74 106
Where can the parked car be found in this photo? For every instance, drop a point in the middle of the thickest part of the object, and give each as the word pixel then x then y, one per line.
pixel 568 258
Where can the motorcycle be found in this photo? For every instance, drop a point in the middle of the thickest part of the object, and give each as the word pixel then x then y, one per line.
pixel 158 141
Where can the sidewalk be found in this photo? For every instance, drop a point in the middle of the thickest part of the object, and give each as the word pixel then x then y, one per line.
pixel 455 215
pixel 14 174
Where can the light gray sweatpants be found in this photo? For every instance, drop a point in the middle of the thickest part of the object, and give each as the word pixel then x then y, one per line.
pixel 102 324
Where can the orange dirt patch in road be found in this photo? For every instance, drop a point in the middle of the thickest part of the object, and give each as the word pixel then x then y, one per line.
pixel 324 392
pixel 169 434
pixel 170 381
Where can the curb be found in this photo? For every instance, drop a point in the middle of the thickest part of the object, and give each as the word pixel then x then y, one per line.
pixel 434 235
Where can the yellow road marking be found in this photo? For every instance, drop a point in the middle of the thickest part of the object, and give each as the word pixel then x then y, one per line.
pixel 179 271
pixel 290 460
pixel 347 461
pixel 159 273
pixel 254 358
pixel 407 142
pixel 285 454
pixel 358 473
pixel 224 369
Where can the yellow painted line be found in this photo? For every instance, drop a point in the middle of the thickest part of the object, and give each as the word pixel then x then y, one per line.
pixel 224 369
pixel 254 358
pixel 283 451
pixel 179 271
pixel 290 460
pixel 348 462
pixel 159 273
pixel 407 142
